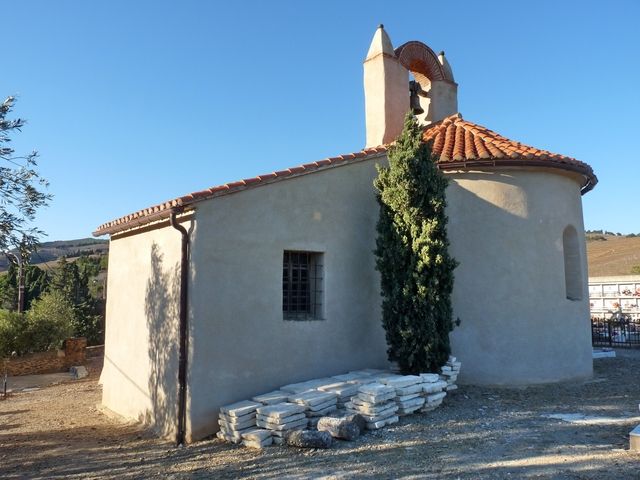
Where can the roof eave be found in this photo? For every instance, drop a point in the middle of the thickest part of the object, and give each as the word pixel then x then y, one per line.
pixel 141 219
pixel 590 179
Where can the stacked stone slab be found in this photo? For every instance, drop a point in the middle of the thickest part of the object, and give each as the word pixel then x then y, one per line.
pixel 257 438
pixel 344 391
pixel 316 403
pixel 236 419
pixel 306 386
pixel 409 389
pixel 271 398
pixel 370 371
pixel 358 377
pixel 433 390
pixel 379 396
pixel 449 373
pixel 376 403
pixel 280 419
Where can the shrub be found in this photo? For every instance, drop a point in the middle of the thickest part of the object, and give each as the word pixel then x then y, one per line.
pixel 12 330
pixel 49 321
pixel 88 325
pixel 44 327
pixel 593 238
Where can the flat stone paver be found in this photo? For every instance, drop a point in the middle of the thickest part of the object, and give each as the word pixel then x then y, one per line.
pixel 22 382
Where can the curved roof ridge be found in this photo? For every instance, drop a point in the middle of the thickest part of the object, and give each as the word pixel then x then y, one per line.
pixel 458 143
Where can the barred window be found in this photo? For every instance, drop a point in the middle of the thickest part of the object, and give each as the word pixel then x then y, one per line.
pixel 302 285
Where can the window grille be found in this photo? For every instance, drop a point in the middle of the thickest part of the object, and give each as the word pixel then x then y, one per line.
pixel 302 285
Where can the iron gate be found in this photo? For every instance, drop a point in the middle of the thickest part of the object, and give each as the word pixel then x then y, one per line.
pixel 619 330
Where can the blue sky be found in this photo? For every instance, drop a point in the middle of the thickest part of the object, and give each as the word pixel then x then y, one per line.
pixel 133 103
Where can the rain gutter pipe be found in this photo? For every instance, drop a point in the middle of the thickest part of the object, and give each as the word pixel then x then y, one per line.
pixel 182 358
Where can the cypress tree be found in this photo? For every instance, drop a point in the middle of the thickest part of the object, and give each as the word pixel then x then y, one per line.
pixel 412 255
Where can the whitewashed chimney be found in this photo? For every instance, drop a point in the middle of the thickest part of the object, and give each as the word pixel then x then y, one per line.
pixel 386 91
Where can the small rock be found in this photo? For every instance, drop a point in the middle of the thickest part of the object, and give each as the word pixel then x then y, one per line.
pixel 78 372
pixel 339 427
pixel 358 420
pixel 309 439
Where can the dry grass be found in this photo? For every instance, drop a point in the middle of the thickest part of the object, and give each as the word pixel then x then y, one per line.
pixel 614 256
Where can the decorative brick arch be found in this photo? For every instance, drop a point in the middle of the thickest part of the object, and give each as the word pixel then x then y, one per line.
pixel 420 60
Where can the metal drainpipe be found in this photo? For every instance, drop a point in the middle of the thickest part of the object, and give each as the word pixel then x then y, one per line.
pixel 182 359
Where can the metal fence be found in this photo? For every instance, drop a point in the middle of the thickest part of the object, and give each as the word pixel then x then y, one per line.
pixel 618 330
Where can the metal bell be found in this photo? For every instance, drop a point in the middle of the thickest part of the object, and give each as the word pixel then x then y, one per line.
pixel 414 101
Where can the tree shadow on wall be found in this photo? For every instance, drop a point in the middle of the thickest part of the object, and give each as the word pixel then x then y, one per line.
pixel 161 308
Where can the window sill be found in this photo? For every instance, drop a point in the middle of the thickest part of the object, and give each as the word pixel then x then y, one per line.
pixel 302 318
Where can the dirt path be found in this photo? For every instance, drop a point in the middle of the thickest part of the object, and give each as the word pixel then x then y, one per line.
pixel 478 433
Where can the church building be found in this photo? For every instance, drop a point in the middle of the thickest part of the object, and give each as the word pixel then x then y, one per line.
pixel 235 290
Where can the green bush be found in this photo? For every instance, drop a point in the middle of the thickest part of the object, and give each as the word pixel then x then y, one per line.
pixel 44 327
pixel 12 332
pixel 49 321
pixel 596 238
pixel 88 325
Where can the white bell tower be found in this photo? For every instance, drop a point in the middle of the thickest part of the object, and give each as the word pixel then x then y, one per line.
pixel 386 91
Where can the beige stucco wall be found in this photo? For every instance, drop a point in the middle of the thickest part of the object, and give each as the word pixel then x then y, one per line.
pixel 240 344
pixel 386 92
pixel 441 102
pixel 140 365
pixel 506 229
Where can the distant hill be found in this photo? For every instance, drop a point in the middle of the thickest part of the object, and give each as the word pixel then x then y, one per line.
pixel 607 254
pixel 612 254
pixel 51 251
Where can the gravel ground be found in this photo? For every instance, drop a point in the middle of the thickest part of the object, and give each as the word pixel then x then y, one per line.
pixel 478 433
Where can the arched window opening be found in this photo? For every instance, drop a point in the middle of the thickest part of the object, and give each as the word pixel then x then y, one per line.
pixel 572 264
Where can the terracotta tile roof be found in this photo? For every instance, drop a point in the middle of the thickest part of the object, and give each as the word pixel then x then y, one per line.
pixel 456 143
pixel 162 210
